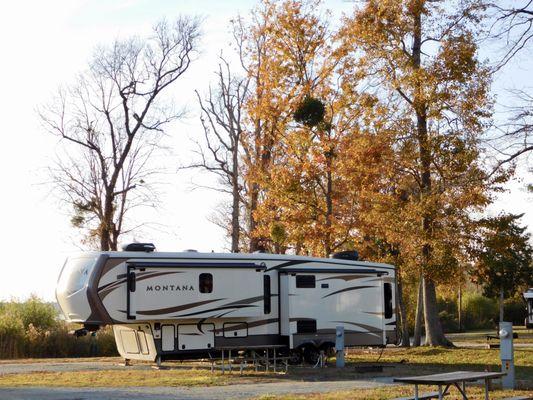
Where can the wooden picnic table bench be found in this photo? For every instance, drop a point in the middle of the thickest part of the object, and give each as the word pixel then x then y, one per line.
pixel 446 380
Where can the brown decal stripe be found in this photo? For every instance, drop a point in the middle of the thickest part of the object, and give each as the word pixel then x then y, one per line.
pixel 139 276
pixel 176 308
pixel 374 312
pixel 106 289
pixel 212 310
pixel 388 279
pixel 288 264
pixel 347 290
pixel 111 284
pixel 347 277
pixel 246 301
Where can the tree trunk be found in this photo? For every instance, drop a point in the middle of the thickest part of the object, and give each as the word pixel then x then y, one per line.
pixel 419 313
pixel 501 304
pixel 235 207
pixel 433 328
pixel 254 194
pixel 434 333
pixel 404 329
pixel 106 224
pixel 460 309
pixel 329 205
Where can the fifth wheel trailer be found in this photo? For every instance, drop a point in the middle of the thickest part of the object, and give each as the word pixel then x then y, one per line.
pixel 189 304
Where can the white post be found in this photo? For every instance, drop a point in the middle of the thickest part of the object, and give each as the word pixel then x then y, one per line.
pixel 339 346
pixel 507 354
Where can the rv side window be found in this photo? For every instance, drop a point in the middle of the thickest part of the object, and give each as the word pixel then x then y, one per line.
pixel 206 283
pixel 266 294
pixel 305 281
pixel 388 299
pixel 306 326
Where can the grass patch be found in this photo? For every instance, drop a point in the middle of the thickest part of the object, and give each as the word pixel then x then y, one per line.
pixel 434 359
pixel 125 378
pixel 474 393
pixel 398 362
pixel 114 360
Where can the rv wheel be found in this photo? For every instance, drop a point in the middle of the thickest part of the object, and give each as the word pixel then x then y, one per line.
pixel 295 357
pixel 311 355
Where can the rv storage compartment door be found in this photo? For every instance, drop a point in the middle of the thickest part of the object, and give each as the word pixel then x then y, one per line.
pixel 196 337
pixel 194 290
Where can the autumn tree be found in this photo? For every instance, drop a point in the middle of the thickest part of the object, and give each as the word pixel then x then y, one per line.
pixel 423 55
pixel 111 122
pixel 220 152
pixel 265 108
pixel 299 43
pixel 504 257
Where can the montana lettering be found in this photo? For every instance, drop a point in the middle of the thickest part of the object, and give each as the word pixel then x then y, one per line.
pixel 169 288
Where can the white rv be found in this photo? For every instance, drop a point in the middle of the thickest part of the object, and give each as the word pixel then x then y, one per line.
pixel 189 304
pixel 528 296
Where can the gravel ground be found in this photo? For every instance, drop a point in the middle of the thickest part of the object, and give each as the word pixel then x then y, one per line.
pixel 195 393
pixel 20 368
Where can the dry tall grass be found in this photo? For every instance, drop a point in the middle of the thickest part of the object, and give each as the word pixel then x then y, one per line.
pixel 33 329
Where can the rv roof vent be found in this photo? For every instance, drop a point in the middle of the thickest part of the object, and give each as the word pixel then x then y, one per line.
pixel 346 255
pixel 190 251
pixel 147 247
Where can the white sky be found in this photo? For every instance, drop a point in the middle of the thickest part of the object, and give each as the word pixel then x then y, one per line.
pixel 44 44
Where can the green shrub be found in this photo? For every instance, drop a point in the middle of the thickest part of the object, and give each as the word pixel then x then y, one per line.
pixel 32 311
pixel 514 310
pixel 12 335
pixel 479 311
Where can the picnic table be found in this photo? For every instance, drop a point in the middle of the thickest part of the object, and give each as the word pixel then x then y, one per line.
pixel 446 380
pixel 269 360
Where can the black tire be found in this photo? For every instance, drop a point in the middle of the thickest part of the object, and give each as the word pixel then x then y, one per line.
pixel 311 355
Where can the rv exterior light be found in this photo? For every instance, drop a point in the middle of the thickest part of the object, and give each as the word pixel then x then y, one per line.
pixel 190 251
pixel 147 247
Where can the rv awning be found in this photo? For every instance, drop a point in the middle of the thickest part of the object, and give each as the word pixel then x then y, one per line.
pixel 187 264
pixel 332 271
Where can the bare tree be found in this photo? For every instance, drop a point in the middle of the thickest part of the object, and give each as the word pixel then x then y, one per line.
pixel 513 26
pixel 111 121
pixel 222 120
pixel 516 138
